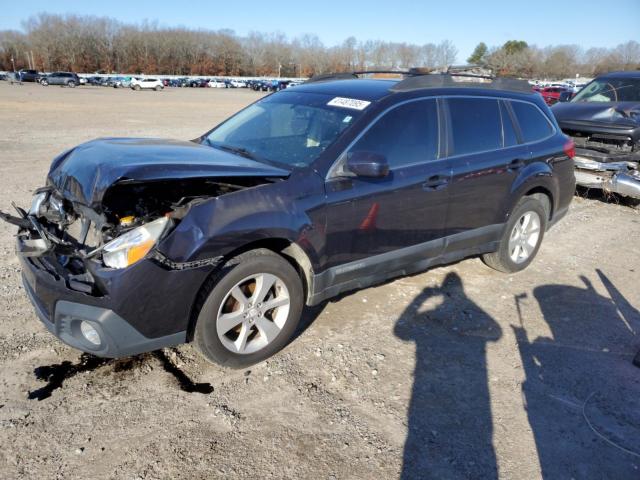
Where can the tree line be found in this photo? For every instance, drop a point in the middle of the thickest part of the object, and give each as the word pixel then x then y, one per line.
pixel 517 58
pixel 50 42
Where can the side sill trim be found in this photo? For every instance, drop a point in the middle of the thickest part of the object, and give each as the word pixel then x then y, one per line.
pixel 378 268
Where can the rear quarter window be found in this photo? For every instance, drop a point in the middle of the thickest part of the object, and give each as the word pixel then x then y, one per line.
pixel 534 125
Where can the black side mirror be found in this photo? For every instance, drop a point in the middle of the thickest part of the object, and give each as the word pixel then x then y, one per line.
pixel 367 164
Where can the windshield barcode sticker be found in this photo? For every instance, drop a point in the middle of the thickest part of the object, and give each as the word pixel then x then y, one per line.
pixel 349 103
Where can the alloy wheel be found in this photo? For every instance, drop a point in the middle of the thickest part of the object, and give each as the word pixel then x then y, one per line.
pixel 524 237
pixel 253 313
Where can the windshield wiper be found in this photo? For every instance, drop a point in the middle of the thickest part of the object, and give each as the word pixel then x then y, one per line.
pixel 243 152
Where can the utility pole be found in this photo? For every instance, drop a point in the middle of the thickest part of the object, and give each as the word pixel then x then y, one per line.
pixel 279 69
pixel 13 63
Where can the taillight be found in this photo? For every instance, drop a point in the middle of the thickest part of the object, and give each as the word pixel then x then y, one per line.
pixel 570 148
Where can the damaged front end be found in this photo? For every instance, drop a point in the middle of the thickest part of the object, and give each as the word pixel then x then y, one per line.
pixel 607 161
pixel 607 140
pixel 89 244
pixel 131 219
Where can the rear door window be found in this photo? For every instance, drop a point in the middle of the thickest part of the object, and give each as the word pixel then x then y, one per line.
pixel 475 125
pixel 534 125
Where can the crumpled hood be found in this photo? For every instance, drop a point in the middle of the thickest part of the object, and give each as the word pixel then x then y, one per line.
pixel 619 114
pixel 84 173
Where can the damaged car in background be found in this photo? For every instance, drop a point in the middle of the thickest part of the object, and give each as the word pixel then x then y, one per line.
pixel 342 182
pixel 603 120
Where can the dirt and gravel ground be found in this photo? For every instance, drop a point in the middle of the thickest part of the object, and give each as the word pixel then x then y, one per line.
pixel 459 372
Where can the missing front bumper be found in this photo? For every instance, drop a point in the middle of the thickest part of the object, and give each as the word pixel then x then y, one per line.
pixel 621 177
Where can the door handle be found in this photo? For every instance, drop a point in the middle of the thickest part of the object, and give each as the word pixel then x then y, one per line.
pixel 515 164
pixel 435 182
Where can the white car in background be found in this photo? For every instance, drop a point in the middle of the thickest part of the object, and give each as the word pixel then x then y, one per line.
pixel 238 83
pixel 216 84
pixel 146 84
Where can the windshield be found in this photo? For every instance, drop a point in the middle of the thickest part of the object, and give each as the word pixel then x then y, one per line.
pixel 291 128
pixel 610 90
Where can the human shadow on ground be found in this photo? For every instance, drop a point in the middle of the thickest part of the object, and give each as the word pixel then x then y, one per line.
pixel 581 392
pixel 450 425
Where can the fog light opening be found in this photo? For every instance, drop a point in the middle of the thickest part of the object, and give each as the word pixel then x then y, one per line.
pixel 90 334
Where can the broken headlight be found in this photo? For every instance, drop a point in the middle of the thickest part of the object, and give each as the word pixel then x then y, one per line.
pixel 132 246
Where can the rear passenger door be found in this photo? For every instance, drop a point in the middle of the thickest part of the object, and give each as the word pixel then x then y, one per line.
pixel 485 155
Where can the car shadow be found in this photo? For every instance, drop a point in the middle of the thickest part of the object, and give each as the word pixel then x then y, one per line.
pixel 450 425
pixel 581 391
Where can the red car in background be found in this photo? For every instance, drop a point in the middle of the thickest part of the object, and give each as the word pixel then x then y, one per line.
pixel 553 95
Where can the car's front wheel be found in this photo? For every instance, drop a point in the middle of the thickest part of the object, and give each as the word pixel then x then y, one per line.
pixel 521 238
pixel 44 82
pixel 249 310
pixel 71 84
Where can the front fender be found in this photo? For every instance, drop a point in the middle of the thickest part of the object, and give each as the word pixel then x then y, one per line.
pixel 223 224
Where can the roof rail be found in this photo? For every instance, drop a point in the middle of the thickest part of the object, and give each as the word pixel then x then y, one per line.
pixel 351 75
pixel 421 78
pixel 443 80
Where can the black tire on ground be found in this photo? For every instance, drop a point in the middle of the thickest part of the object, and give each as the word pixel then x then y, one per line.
pixel 45 83
pixel 220 284
pixel 501 260
pixel 158 88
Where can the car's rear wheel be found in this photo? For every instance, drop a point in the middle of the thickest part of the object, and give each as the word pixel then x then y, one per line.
pixel 521 238
pixel 71 84
pixel 44 82
pixel 249 310
pixel 158 88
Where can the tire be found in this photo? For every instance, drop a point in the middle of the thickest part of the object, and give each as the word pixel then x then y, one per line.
pixel 71 84
pixel 510 256
pixel 44 83
pixel 240 341
pixel 136 88
pixel 158 88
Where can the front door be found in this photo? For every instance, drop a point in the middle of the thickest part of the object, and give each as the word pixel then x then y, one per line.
pixel 378 224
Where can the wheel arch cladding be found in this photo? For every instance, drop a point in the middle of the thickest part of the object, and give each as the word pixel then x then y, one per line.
pixel 536 179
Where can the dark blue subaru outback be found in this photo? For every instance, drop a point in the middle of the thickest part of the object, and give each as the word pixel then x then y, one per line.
pixel 137 244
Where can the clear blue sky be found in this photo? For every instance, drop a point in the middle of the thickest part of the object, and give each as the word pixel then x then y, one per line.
pixel 590 23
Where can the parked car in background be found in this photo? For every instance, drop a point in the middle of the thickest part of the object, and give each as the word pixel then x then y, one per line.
pixel 237 83
pixel 29 75
pixel 301 196
pixel 216 84
pixel 179 82
pixel 199 82
pixel 67 79
pixel 95 80
pixel 122 82
pixel 603 119
pixel 146 84
pixel 551 95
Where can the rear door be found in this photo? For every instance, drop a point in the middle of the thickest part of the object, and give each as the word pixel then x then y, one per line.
pixel 485 159
pixel 368 217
